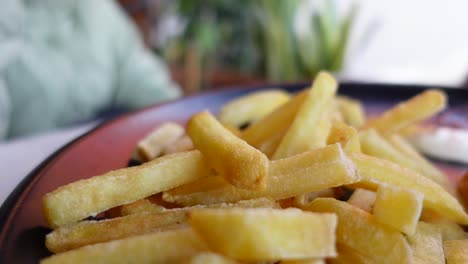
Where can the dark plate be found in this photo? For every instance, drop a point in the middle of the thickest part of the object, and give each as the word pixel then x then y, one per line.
pixel 110 145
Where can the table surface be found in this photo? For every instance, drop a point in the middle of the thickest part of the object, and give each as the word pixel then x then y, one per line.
pixel 19 157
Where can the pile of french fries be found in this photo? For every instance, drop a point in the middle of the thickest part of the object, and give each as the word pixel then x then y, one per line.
pixel 310 179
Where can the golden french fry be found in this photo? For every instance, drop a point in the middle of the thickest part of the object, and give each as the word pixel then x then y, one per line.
pixel 307 172
pixel 239 163
pixel 346 135
pixel 351 110
pixel 162 247
pixel 398 207
pixel 267 127
pixel 140 206
pixel 311 124
pixel 302 200
pixel 269 146
pixel 363 199
pixel 408 112
pixel 456 251
pixel 184 143
pixel 372 143
pixel 80 199
pixel 359 231
pixel 92 232
pixel 451 231
pixel 347 256
pixel 251 107
pixel 210 258
pixel 426 244
pixel 154 143
pixel 260 234
pixel 375 172
pixel 303 261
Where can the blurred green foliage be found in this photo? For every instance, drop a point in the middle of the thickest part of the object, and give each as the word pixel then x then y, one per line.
pixel 257 37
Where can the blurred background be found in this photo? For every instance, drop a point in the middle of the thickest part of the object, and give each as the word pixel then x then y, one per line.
pixel 223 42
pixel 63 63
pixel 67 65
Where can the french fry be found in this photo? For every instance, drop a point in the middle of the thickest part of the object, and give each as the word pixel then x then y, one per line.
pixel 311 124
pixel 209 258
pixel 259 234
pixel 346 135
pixel 451 231
pixel 139 206
pixel 239 163
pixel 351 110
pixel 359 231
pixel 251 107
pixel 80 199
pixel 363 199
pixel 92 232
pixel 402 115
pixel 375 172
pixel 184 143
pixel 398 207
pixel 269 146
pixel 347 256
pixel 426 244
pixel 456 251
pixel 307 172
pixel 303 261
pixel 154 143
pixel 163 247
pixel 302 200
pixel 267 127
pixel 372 143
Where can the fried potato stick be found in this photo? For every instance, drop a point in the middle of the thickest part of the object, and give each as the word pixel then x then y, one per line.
pixel 80 199
pixel 162 247
pixel 375 172
pixel 260 234
pixel 402 115
pixel 311 124
pixel 358 230
pixel 307 172
pixel 251 107
pixel 92 232
pixel 234 159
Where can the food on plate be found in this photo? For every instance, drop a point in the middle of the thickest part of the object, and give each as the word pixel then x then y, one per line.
pixel 351 110
pixel 157 247
pixel 78 200
pixel 306 172
pixel 374 144
pixel 231 157
pixel 358 230
pixel 266 234
pixel 153 145
pixel 311 124
pixel 248 109
pixel 398 207
pixel 376 172
pixel 406 113
pixel 273 178
pixel 92 232
pixel 363 199
pixel 456 251
pixel 426 244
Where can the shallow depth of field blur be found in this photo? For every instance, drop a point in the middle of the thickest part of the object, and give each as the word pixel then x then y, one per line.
pixel 65 63
pixel 227 42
